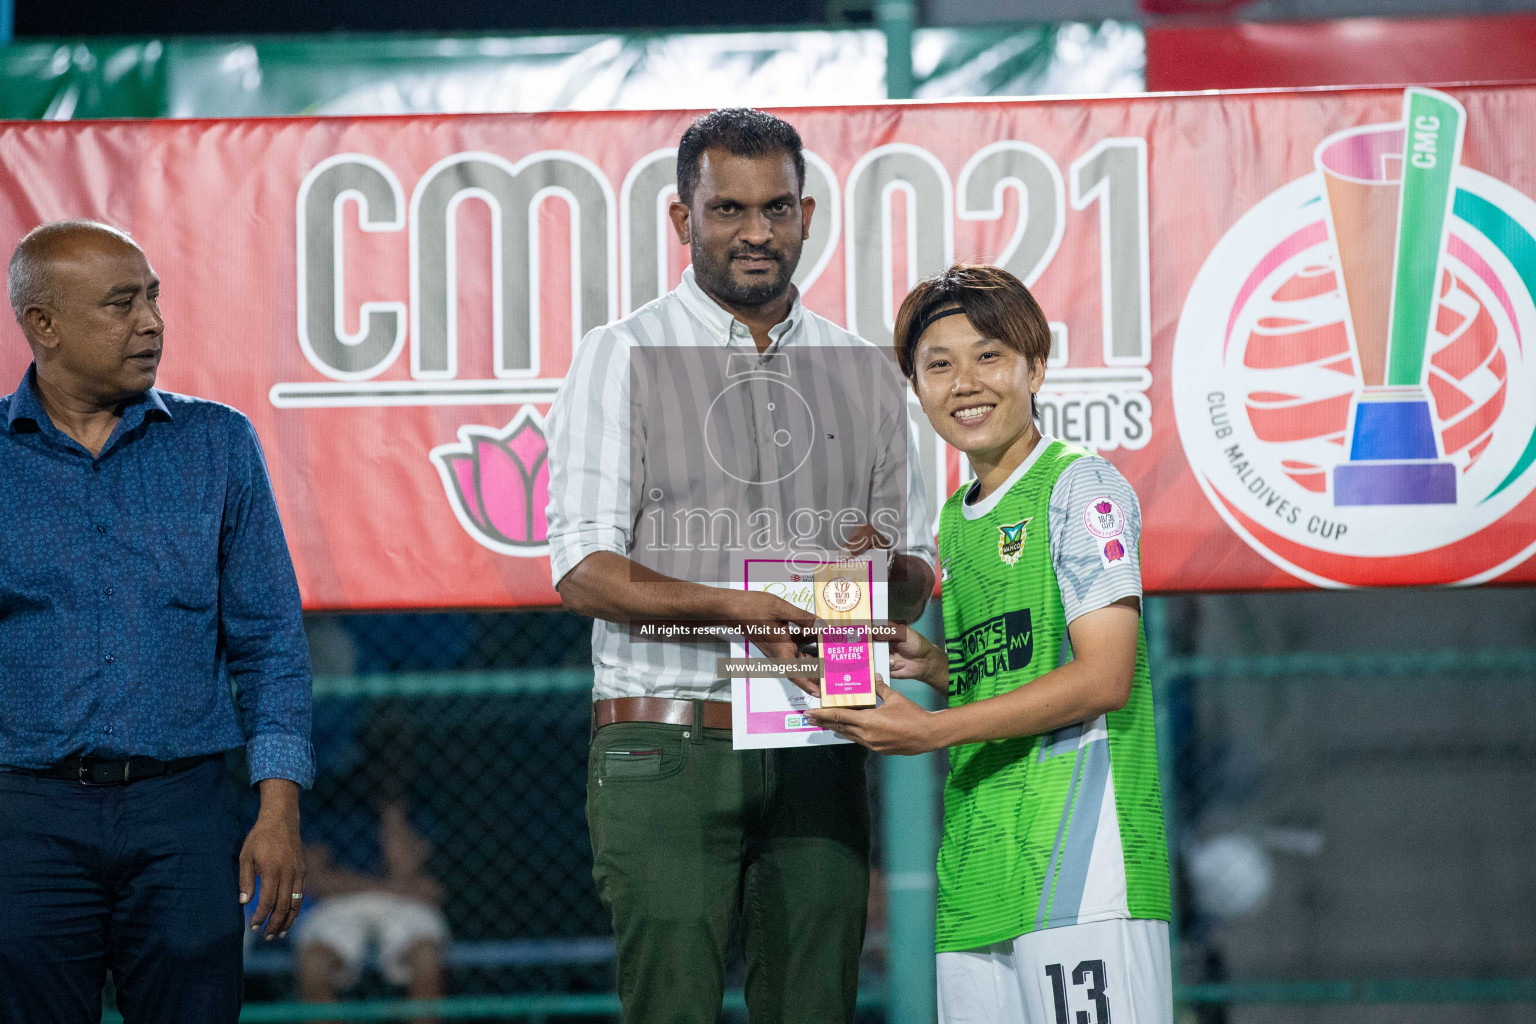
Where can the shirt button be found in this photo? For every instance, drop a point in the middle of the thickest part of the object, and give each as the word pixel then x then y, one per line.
pixel 108 591
pixel 106 728
pixel 109 659
pixel 100 528
pixel 95 467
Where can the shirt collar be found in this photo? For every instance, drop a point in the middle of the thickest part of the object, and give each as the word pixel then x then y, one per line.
pixel 985 506
pixel 25 405
pixel 725 328
pixel 142 408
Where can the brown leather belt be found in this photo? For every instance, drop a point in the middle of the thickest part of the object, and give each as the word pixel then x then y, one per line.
pixel 661 710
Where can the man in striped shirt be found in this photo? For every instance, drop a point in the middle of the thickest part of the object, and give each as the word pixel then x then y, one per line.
pixel 720 422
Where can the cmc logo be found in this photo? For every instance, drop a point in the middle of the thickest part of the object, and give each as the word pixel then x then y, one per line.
pixel 1352 380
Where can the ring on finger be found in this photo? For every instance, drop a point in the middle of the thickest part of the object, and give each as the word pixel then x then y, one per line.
pixel 297 896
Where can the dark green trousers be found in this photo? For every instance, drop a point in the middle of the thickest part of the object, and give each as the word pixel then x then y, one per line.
pixel 691 839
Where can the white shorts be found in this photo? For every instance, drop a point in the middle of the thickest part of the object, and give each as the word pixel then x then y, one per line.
pixel 1117 970
pixel 347 925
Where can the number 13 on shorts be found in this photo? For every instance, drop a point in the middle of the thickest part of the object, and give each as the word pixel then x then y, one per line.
pixel 1090 973
pixel 1106 972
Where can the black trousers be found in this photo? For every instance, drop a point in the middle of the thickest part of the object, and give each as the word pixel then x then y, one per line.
pixel 140 879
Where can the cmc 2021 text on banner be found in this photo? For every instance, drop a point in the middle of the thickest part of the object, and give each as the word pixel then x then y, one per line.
pixel 1300 323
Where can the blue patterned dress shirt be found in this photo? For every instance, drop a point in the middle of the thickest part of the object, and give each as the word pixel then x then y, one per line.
pixel 139 587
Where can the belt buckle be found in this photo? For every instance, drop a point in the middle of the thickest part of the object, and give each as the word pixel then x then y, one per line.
pixel 83 773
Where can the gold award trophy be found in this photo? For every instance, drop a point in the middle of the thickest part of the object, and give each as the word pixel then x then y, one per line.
pixel 847 655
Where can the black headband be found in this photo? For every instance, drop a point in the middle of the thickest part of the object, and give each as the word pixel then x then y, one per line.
pixel 921 327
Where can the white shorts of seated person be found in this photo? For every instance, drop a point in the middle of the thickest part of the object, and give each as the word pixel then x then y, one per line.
pixel 347 925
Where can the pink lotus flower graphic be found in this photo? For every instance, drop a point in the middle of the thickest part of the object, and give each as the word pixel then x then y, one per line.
pixel 497 482
pixel 1103 508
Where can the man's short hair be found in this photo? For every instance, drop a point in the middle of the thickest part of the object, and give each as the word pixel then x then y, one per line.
pixel 28 281
pixel 995 302
pixel 740 131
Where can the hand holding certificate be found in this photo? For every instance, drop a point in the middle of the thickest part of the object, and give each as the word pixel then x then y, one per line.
pixel 779 630
pixel 846 596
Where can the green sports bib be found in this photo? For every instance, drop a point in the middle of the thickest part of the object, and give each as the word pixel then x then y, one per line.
pixel 1039 831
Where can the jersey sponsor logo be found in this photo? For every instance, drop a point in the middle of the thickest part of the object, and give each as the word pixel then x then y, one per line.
pixel 1103 518
pixel 1113 551
pixel 1010 542
pixel 943 571
pixel 1004 643
pixel 1352 373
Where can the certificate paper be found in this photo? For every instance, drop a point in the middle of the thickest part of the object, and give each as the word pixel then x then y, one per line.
pixel 770 711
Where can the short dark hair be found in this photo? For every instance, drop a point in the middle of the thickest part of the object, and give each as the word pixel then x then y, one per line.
pixel 740 131
pixel 995 302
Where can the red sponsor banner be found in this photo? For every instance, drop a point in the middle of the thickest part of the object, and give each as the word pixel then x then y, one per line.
pixel 1299 323
pixel 1348 51
pixel 1191 6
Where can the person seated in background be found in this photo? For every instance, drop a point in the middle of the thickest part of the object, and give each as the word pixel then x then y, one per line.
pixel 395 909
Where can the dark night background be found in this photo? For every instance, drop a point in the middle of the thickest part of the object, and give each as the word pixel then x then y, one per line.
pixel 202 17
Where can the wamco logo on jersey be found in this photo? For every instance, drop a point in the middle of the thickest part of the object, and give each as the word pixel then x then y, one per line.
pixel 1351 377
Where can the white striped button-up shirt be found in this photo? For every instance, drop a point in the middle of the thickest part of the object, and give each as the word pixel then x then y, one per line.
pixel 624 455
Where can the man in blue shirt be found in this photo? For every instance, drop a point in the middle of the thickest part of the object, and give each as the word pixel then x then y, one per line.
pixel 143 576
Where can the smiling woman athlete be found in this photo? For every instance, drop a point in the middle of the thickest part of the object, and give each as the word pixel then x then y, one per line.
pixel 1053 872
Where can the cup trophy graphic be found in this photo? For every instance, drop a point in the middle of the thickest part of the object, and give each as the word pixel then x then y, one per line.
pixel 1389 195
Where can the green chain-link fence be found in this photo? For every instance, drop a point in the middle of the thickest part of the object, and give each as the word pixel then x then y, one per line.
pixel 477 725
pixel 1347 779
